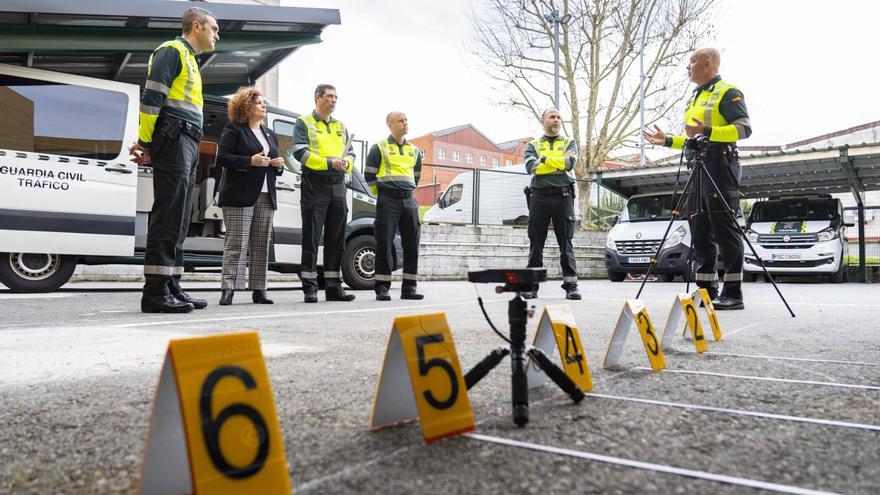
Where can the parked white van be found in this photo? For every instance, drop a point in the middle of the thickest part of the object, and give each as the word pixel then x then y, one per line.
pixel 634 239
pixel 798 235
pixel 70 195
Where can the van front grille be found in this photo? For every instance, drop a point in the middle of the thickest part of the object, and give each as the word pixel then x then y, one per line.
pixel 642 246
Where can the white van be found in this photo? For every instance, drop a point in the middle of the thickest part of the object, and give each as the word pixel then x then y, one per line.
pixel 798 235
pixel 500 198
pixel 634 239
pixel 70 195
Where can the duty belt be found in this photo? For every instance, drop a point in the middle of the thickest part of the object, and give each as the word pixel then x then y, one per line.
pixel 187 128
pixel 552 191
pixel 395 193
pixel 324 178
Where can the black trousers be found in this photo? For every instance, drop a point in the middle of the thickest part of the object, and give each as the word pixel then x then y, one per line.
pixel 174 157
pixel 715 229
pixel 393 213
pixel 560 209
pixel 324 210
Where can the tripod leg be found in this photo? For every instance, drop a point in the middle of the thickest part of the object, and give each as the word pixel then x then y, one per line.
pixel 557 375
pixel 743 234
pixel 484 367
pixel 520 387
pixel 665 234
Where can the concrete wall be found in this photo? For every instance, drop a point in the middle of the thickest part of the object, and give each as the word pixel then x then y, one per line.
pixel 447 253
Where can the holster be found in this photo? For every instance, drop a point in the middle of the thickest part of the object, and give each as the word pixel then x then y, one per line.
pixel 528 192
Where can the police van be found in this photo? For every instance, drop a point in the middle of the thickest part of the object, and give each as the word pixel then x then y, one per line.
pixel 798 235
pixel 69 193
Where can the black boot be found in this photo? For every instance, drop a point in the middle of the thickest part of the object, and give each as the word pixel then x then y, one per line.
pixel 337 294
pixel 226 297
pixel 382 294
pixel 196 303
pixel 259 297
pixel 573 294
pixel 410 293
pixel 310 296
pixel 164 304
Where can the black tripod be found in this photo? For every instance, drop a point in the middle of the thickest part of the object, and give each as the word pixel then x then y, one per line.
pixel 518 314
pixel 699 145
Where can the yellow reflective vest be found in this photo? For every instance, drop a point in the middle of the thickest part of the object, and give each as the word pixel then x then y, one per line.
pixel 325 141
pixel 397 168
pixel 182 98
pixel 705 106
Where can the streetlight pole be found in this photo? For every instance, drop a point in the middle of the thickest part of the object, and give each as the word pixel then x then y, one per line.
pixel 556 20
pixel 645 21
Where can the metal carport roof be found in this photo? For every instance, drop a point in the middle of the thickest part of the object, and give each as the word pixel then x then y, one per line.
pixel 112 39
pixel 842 169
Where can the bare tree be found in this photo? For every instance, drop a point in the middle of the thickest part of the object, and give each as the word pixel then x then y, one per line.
pixel 599 54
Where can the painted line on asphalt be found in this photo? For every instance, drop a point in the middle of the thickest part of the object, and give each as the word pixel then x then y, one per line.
pixel 765 379
pixel 266 316
pixel 661 468
pixel 741 412
pixel 750 325
pixel 786 358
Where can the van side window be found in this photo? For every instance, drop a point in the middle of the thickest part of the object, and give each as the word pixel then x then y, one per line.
pixel 453 195
pixel 61 119
pixel 284 132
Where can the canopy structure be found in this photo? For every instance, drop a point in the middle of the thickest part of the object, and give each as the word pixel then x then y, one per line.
pixel 113 39
pixel 841 169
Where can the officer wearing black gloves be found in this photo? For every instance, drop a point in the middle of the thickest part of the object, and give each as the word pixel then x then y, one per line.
pixel 392 171
pixel 320 144
pixel 168 138
pixel 550 158
pixel 716 110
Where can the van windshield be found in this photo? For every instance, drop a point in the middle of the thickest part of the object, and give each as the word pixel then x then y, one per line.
pixel 788 210
pixel 648 208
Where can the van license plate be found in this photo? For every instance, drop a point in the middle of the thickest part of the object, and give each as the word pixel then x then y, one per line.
pixel 785 256
pixel 638 259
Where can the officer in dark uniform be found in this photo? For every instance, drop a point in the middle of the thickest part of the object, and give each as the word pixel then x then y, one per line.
pixel 168 138
pixel 392 171
pixel 716 110
pixel 320 143
pixel 550 158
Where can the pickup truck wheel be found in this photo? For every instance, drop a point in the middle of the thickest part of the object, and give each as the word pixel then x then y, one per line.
pixel 35 272
pixel 359 262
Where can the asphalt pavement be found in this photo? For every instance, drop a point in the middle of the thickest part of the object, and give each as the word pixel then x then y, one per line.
pixel 780 404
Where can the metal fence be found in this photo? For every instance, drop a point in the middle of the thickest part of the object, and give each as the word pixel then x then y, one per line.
pixel 495 196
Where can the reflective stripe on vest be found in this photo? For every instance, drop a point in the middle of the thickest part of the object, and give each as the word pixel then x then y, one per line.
pixel 323 143
pixel 396 167
pixel 186 90
pixel 542 147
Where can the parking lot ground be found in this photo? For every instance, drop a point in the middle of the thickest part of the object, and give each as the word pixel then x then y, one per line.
pixel 779 404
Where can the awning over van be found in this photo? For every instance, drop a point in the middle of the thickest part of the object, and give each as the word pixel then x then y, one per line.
pixel 830 170
pixel 112 39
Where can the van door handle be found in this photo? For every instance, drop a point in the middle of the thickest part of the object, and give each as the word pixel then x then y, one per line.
pixel 121 169
pixel 282 186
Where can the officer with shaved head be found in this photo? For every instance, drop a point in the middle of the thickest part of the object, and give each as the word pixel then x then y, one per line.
pixel 717 110
pixel 392 171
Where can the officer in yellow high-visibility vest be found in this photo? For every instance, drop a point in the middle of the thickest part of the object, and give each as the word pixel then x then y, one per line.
pixel 392 171
pixel 168 139
pixel 551 159
pixel 716 110
pixel 320 144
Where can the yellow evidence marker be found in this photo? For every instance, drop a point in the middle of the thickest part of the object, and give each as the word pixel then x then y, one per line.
pixel 634 311
pixel 421 377
pixel 684 305
pixel 214 428
pixel 557 329
pixel 710 311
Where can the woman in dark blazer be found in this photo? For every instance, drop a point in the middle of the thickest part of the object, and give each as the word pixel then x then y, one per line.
pixel 249 157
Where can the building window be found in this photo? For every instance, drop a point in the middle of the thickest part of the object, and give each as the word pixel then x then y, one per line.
pixel 469 158
pixel 495 161
pixel 441 153
pixel 456 156
pixel 508 162
pixel 482 160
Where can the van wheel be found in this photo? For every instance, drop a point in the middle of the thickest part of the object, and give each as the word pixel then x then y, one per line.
pixel 750 277
pixel 667 277
pixel 616 276
pixel 838 276
pixel 35 272
pixel 359 262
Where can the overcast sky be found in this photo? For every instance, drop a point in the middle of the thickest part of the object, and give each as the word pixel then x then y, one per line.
pixel 806 67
